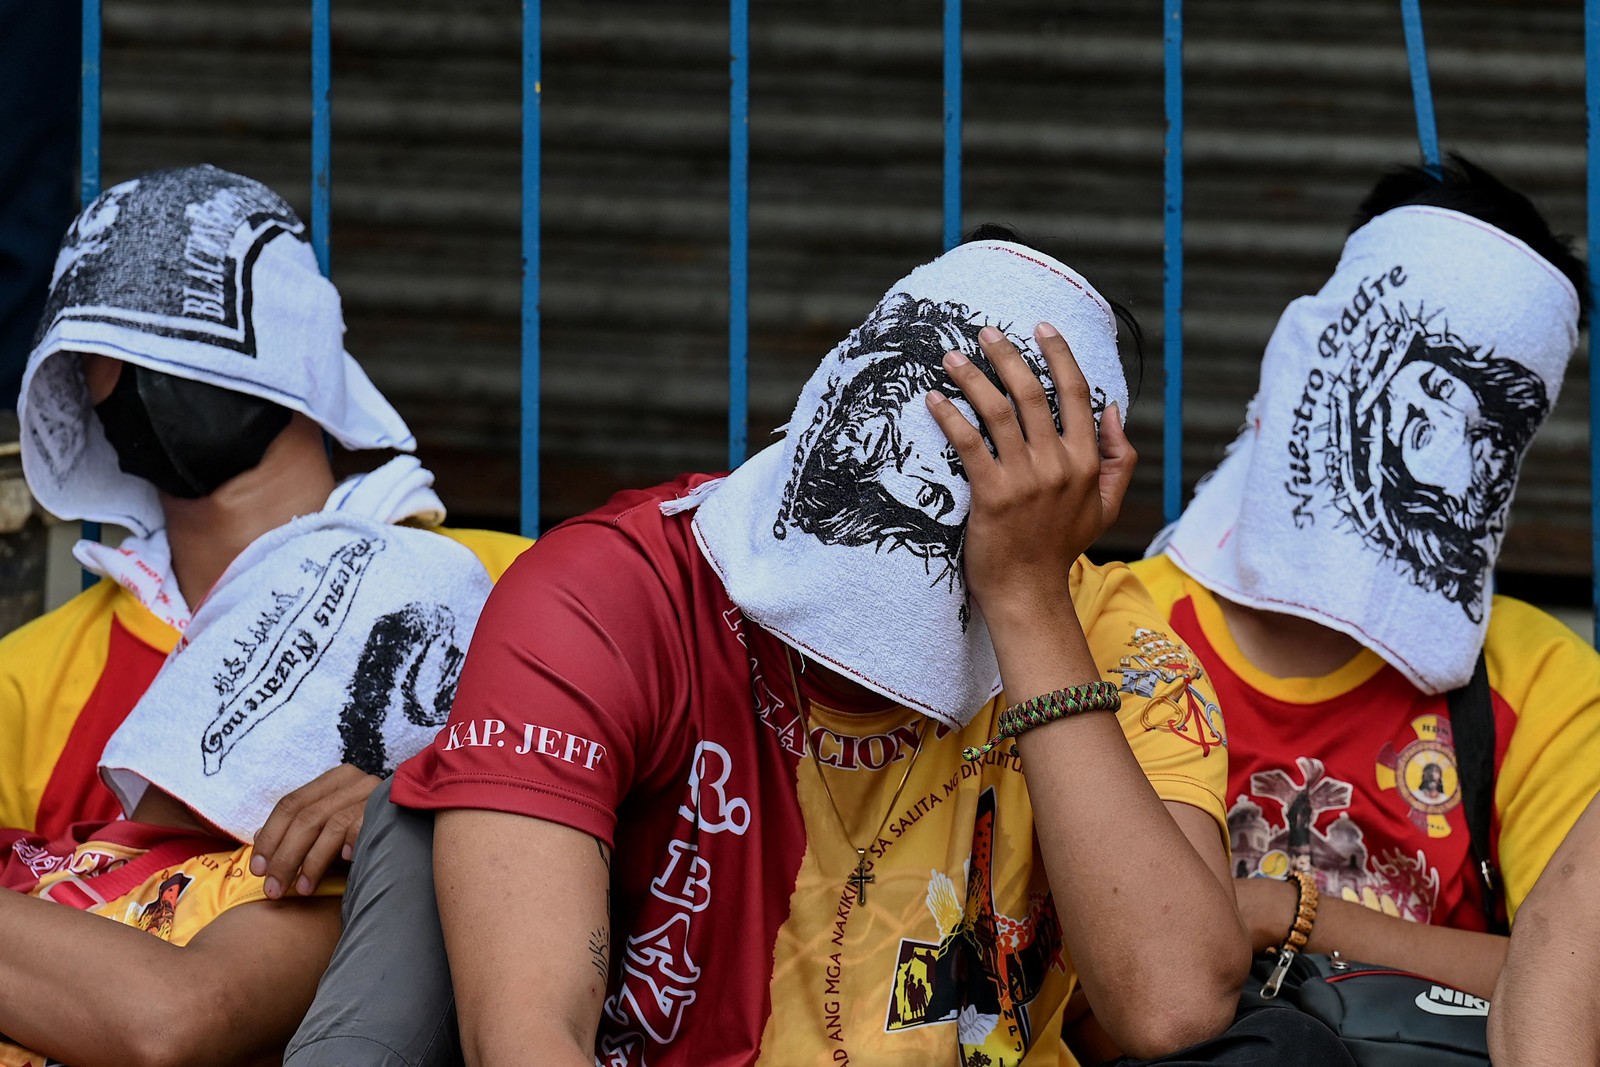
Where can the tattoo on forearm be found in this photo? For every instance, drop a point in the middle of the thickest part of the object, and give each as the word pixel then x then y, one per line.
pixel 600 938
pixel 600 951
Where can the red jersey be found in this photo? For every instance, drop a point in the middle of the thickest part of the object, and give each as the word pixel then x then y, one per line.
pixel 1353 775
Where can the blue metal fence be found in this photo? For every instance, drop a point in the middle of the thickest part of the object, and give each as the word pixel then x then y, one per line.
pixel 321 129
pixel 1591 72
pixel 739 205
pixel 738 231
pixel 532 105
pixel 952 123
pixel 1421 86
pixel 89 151
pixel 1172 266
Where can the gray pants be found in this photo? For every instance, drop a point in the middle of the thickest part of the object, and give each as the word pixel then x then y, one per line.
pixel 386 997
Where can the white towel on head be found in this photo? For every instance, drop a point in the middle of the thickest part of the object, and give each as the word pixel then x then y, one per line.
pixel 845 538
pixel 332 639
pixel 1370 487
pixel 201 274
pixel 399 491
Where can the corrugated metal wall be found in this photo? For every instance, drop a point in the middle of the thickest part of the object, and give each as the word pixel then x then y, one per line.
pixel 1292 109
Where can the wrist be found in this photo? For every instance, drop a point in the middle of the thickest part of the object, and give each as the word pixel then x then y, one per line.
pixel 1270 907
pixel 1020 604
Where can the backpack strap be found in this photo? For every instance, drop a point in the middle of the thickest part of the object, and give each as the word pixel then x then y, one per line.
pixel 1472 729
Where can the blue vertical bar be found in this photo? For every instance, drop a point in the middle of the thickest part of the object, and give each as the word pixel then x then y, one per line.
pixel 1421 87
pixel 952 123
pixel 89 118
pixel 1591 72
pixel 1172 269
pixel 89 154
pixel 532 96
pixel 738 231
pixel 321 129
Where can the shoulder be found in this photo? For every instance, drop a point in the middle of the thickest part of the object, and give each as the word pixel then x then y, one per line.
pixel 1528 650
pixel 69 629
pixel 1162 579
pixel 624 568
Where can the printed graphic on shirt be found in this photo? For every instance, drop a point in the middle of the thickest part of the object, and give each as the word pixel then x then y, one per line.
pixel 1424 774
pixel 1183 709
pixel 157 916
pixel 985 968
pixel 1418 433
pixel 1395 882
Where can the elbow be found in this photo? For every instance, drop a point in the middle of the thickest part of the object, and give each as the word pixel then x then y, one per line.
pixel 1189 1004
pixel 170 1040
pixel 1161 1030
pixel 185 1029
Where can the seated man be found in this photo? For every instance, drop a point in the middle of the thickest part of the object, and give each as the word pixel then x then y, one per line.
pixel 731 778
pixel 270 687
pixel 189 369
pixel 1333 575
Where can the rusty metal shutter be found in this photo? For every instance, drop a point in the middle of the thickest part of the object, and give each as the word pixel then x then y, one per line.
pixel 1292 110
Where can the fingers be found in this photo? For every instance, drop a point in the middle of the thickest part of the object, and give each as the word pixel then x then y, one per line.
pixel 1117 461
pixel 309 829
pixel 1027 392
pixel 993 407
pixel 1072 390
pixel 962 435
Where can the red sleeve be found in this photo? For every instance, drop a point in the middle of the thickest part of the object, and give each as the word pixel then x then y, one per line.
pixel 575 669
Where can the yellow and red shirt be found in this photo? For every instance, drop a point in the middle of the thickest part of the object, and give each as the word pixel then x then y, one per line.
pixel 169 883
pixel 614 688
pixel 1355 772
pixel 69 678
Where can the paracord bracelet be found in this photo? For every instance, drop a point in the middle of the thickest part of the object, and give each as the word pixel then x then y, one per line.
pixel 1018 719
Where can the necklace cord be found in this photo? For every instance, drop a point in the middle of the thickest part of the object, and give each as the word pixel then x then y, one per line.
pixel 816 761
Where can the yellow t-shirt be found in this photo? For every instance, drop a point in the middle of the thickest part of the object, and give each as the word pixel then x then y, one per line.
pixel 959 925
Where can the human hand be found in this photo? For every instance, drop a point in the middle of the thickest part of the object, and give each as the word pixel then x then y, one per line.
pixel 310 828
pixel 1045 495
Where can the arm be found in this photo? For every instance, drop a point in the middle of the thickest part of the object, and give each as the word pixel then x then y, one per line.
pixel 95 993
pixel 1465 959
pixel 536 982
pixel 1543 1007
pixel 1160 951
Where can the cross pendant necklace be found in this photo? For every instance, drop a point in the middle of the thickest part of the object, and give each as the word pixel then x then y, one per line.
pixel 862 876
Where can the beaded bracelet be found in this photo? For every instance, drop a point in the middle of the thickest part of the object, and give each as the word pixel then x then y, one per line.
pixel 1018 719
pixel 1305 917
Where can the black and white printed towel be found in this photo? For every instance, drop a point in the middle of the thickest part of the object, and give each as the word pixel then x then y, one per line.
pixel 334 639
pixel 1369 488
pixel 202 274
pixel 844 539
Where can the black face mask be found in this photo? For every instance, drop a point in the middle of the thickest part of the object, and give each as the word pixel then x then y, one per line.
pixel 186 438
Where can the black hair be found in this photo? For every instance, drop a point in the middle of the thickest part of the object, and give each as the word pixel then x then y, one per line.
pixel 1134 360
pixel 1468 188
